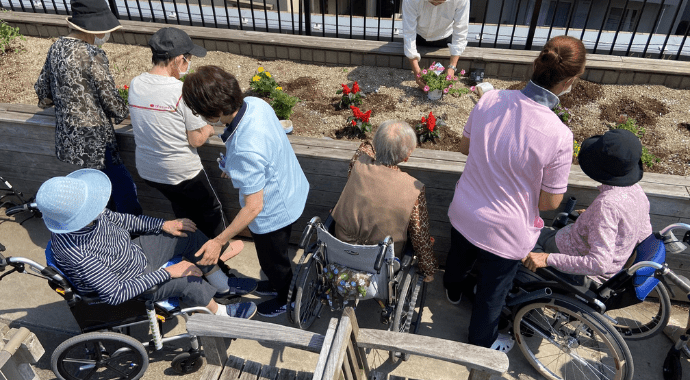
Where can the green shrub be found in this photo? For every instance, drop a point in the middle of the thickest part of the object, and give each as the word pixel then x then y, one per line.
pixel 282 103
pixel 629 124
pixel 263 83
pixel 7 36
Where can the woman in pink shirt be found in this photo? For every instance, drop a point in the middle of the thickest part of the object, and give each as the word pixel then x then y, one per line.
pixel 601 240
pixel 517 164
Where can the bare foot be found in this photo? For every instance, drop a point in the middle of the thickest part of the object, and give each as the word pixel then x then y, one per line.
pixel 233 249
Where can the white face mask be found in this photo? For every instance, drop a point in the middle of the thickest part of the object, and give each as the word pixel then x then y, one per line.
pixel 215 123
pixel 189 66
pixel 101 41
pixel 567 90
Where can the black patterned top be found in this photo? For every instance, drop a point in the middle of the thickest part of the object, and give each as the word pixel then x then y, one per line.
pixel 76 80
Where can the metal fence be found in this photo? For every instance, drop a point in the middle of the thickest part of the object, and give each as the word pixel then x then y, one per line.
pixel 512 24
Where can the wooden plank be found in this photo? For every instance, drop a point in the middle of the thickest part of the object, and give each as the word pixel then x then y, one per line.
pixel 250 371
pixel 361 355
pixel 287 374
pixel 325 349
pixel 473 357
pixel 337 353
pixel 217 326
pixel 304 375
pixel 476 374
pixel 215 349
pixel 268 372
pixel 233 368
pixel 211 372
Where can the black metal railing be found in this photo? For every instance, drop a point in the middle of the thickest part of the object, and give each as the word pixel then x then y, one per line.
pixel 604 27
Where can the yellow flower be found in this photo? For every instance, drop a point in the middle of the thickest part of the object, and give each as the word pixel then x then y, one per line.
pixel 268 74
pixel 279 88
pixel 256 78
pixel 260 69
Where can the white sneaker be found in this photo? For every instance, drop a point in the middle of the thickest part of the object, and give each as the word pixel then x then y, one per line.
pixel 503 343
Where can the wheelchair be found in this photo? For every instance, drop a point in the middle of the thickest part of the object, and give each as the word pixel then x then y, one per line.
pixel 104 349
pixel 395 284
pixel 568 330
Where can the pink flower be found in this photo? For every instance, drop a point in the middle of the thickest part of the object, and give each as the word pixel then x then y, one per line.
pixel 426 88
pixel 462 72
pixel 445 90
pixel 424 72
pixel 419 75
pixel 473 88
pixel 455 77
pixel 448 77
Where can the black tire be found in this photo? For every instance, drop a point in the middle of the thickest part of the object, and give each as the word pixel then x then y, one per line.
pixel 673 370
pixel 100 355
pixel 293 285
pixel 405 309
pixel 645 319
pixel 308 297
pixel 565 339
pixel 187 362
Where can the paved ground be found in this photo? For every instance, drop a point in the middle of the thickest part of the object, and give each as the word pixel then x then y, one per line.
pixel 28 301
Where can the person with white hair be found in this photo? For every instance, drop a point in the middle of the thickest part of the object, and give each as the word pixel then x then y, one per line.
pixel 380 200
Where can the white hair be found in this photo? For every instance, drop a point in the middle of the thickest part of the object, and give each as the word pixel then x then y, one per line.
pixel 394 141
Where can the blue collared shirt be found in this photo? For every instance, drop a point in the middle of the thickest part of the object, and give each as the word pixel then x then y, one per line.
pixel 259 157
pixel 540 95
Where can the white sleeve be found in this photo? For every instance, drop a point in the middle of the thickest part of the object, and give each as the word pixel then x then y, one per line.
pixel 191 121
pixel 410 14
pixel 461 23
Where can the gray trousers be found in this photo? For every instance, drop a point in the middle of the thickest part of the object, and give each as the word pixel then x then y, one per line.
pixel 547 243
pixel 161 248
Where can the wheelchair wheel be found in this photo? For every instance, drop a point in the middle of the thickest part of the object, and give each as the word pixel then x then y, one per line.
pixel 565 339
pixel 405 309
pixel 308 298
pixel 645 319
pixel 187 362
pixel 100 355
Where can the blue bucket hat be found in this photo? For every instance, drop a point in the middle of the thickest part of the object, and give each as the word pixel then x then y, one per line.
pixel 70 203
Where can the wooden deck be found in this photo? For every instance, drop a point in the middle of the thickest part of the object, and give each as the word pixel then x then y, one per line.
pixel 27 159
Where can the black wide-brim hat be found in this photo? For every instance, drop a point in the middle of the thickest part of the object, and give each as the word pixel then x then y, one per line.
pixel 614 158
pixel 92 16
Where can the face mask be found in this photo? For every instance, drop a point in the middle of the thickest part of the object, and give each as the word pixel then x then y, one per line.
pixel 567 90
pixel 189 66
pixel 101 41
pixel 215 124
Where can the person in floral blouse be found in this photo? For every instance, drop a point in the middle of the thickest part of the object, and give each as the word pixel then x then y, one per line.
pixel 380 200
pixel 77 81
pixel 602 239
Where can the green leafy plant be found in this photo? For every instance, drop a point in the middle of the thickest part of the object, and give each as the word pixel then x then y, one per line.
pixel 282 103
pixel 351 96
pixel 434 79
pixel 563 113
pixel 630 124
pixel 263 83
pixel 124 92
pixel 7 35
pixel 359 120
pixel 427 129
pixel 576 148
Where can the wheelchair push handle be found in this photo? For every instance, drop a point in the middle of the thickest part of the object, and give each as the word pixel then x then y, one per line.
pixel 382 253
pixel 306 234
pixel 21 208
pixel 562 218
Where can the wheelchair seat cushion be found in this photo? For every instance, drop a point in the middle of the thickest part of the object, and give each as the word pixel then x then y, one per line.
pixel 651 249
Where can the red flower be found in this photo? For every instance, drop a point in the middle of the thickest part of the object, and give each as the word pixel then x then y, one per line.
pixel 354 122
pixel 356 112
pixel 355 88
pixel 423 120
pixel 126 87
pixel 431 122
pixel 365 116
pixel 346 90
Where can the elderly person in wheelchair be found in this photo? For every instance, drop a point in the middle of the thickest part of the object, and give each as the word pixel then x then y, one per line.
pixel 602 238
pixel 93 247
pixel 380 200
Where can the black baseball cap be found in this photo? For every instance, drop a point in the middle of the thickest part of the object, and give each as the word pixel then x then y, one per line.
pixel 171 42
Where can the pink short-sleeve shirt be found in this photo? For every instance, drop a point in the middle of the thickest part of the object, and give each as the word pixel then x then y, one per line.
pixel 517 148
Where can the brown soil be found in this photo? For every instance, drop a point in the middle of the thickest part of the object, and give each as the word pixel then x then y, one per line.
pixel 392 94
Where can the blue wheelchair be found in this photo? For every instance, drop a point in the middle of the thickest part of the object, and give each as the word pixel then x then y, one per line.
pixel 104 349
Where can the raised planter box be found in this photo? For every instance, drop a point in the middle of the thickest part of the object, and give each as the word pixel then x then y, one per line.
pixel 27 159
pixel 497 63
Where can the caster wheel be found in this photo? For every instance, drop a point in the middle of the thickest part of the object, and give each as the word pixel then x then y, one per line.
pixel 187 362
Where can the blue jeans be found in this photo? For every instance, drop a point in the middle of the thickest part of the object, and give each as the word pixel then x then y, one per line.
pixel 494 280
pixel 123 197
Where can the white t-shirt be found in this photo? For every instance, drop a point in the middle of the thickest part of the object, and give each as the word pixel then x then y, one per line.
pixel 160 120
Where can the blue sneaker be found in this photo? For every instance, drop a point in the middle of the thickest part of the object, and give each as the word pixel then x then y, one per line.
pixel 244 310
pixel 241 286
pixel 264 288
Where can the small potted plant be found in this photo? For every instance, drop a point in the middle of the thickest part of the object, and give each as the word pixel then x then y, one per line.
pixel 427 129
pixel 282 104
pixel 351 96
pixel 436 84
pixel 262 83
pixel 359 120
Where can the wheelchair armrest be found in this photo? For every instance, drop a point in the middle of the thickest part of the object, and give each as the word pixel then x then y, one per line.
pixel 382 253
pixel 148 294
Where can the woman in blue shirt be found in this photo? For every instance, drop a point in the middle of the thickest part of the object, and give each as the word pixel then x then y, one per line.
pixel 262 165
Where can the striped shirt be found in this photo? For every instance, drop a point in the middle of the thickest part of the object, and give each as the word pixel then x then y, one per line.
pixel 102 258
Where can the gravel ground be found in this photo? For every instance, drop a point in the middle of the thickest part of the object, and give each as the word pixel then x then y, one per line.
pixel 391 93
